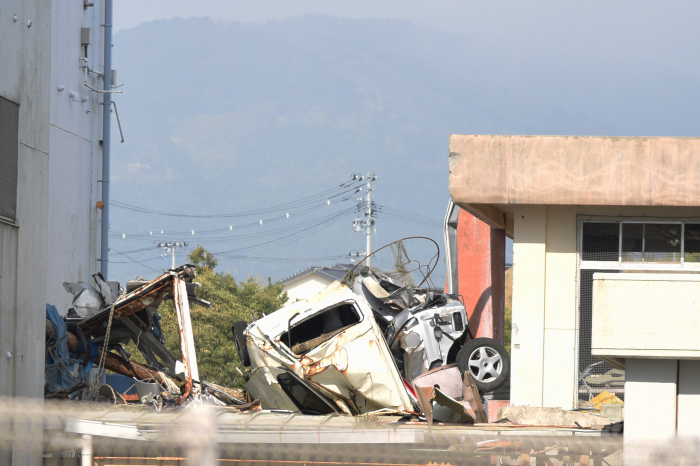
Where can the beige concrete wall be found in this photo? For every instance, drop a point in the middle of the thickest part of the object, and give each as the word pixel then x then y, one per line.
pixel 544 307
pixel 646 315
pixel 559 383
pixel 574 170
pixel 650 399
pixel 527 340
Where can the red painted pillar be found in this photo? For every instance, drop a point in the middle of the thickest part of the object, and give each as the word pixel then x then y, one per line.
pixel 481 275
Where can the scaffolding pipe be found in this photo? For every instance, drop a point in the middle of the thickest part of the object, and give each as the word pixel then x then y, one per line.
pixel 106 138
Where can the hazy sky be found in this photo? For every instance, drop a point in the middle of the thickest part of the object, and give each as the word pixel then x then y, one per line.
pixel 626 68
pixel 665 30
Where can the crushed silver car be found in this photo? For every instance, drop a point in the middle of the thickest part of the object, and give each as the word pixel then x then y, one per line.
pixel 424 327
pixel 361 342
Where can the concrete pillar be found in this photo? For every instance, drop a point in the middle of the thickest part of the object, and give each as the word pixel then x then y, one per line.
pixel 481 256
pixel 527 338
pixel 650 398
pixel 650 408
pixel 688 398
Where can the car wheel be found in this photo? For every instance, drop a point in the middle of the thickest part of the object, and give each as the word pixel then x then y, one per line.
pixel 488 362
pixel 238 330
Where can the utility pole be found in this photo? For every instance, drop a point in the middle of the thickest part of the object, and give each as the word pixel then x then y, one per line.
pixel 170 247
pixel 366 225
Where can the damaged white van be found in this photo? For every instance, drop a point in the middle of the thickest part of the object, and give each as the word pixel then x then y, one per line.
pixel 356 346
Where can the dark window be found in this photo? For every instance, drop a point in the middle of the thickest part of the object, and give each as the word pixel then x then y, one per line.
pixel 632 242
pixel 320 327
pixel 601 241
pixel 662 242
pixel 691 235
pixel 651 242
pixel 306 400
pixel 9 157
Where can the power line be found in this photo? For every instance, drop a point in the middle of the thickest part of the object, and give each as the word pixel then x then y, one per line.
pixel 287 259
pixel 134 260
pixel 278 241
pixel 254 224
pixel 345 187
pixel 407 217
pixel 235 236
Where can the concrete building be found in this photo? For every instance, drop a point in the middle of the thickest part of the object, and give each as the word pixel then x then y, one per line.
pixel 623 213
pixel 312 280
pixel 50 164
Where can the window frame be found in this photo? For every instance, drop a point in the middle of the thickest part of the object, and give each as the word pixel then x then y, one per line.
pixel 283 341
pixel 620 264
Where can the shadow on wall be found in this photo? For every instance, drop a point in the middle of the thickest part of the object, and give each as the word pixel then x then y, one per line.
pixel 475 316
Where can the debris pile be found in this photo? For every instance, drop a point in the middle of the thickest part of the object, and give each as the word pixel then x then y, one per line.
pixel 103 320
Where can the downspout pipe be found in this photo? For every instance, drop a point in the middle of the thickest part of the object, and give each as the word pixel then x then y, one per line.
pixel 106 138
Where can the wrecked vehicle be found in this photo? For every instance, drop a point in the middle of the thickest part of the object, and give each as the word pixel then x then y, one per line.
pixel 96 330
pixel 328 347
pixel 361 342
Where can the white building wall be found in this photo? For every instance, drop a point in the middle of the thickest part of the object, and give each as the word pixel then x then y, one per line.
pixel 24 79
pixel 75 153
pixel 54 237
pixel 305 287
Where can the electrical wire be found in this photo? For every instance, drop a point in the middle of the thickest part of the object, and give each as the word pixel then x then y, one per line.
pixel 288 259
pixel 236 236
pixel 345 187
pixel 280 241
pixel 134 260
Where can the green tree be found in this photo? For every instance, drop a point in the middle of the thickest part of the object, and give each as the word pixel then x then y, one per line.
pixel 202 258
pixel 231 301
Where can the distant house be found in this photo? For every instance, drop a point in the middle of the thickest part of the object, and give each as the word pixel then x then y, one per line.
pixel 312 280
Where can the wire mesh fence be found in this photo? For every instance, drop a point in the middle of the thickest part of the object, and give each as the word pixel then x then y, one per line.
pixel 594 375
pixel 73 433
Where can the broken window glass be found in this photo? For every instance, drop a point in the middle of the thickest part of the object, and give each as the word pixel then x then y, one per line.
pixel 316 329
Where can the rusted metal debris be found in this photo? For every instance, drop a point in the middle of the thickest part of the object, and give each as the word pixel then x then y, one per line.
pixel 134 318
pixel 445 387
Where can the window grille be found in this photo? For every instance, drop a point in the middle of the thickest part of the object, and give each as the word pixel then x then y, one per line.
pixel 615 245
pixel 594 376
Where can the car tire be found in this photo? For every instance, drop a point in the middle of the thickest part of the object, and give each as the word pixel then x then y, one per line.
pixel 488 362
pixel 238 330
